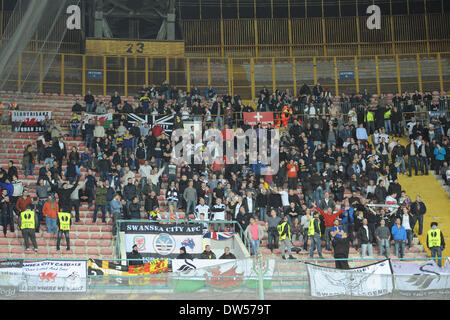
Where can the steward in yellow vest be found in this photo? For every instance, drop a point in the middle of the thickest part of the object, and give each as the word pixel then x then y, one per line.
pixel 435 242
pixel 64 221
pixel 370 116
pixel 314 227
pixel 284 231
pixel 28 223
pixel 314 234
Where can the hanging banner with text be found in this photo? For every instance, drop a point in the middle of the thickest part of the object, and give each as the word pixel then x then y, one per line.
pixel 10 277
pixel 163 240
pixel 29 121
pixel 54 276
pixel 369 281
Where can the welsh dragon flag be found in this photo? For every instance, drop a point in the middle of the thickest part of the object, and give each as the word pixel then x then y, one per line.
pixel 219 235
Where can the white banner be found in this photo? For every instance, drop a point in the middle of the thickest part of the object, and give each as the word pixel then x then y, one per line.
pixel 54 276
pixel 369 281
pixel 199 269
pixel 23 116
pixel 419 280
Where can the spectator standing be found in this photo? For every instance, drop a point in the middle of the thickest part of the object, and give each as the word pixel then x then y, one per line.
pixel 190 195
pixel 418 210
pixel 273 237
pixel 406 219
pixel 89 100
pixel 365 237
pixel 254 233
pixel 100 201
pixel 135 208
pixel 50 211
pixel 218 212
pixel 28 159
pixel 7 213
pixel 329 218
pixel 383 235
pixel 341 248
pixel 399 236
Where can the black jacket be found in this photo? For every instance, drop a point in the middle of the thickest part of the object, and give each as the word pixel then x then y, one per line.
pixel 408 149
pixel 362 236
pixel 418 208
pixel 64 195
pixel 206 255
pixel 228 256
pixel 184 256
pixel 341 247
pixel 137 259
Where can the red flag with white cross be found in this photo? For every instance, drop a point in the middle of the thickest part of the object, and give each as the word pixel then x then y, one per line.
pixel 254 117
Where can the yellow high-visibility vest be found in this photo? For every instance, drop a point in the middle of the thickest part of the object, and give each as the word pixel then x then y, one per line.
pixel 370 116
pixel 280 228
pixel 434 238
pixel 64 221
pixel 311 230
pixel 27 219
pixel 387 114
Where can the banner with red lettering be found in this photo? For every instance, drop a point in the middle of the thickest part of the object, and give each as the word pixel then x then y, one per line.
pixel 29 121
pixel 253 118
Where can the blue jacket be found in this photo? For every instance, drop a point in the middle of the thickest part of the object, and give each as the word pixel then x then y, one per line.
pixel 116 206
pixel 9 187
pixel 439 153
pixel 398 234
pixel 347 216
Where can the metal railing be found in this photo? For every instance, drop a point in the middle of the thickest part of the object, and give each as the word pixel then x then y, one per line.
pixel 77 73
pixel 256 278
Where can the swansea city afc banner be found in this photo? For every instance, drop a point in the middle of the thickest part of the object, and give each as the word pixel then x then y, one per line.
pixel 412 279
pixel 368 281
pixel 163 240
pixel 196 274
pixel 29 121
pixel 54 276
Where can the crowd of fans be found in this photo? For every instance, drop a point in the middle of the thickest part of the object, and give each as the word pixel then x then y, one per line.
pixel 328 147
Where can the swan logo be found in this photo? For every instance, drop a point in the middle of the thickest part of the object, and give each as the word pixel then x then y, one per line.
pixel 164 244
pixel 186 267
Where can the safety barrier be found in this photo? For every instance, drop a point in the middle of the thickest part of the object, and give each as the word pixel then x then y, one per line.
pixel 76 73
pixel 253 278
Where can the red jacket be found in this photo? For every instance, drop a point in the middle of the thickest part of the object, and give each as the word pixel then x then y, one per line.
pixel 292 170
pixel 329 218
